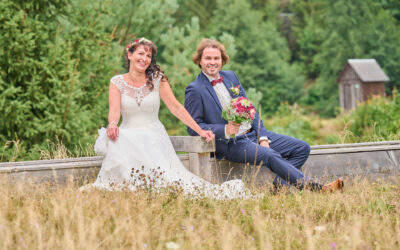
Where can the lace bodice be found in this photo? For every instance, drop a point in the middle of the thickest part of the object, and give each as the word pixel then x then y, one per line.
pixel 139 106
pixel 137 93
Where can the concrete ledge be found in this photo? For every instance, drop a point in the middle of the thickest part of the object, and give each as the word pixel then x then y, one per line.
pixel 325 161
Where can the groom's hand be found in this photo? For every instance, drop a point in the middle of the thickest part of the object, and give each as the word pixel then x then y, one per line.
pixel 232 128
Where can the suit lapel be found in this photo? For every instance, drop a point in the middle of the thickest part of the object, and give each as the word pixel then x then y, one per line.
pixel 227 82
pixel 210 89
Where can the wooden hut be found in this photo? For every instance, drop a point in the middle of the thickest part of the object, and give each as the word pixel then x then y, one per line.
pixel 360 79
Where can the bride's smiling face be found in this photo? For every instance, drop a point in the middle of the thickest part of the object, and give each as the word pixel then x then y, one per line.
pixel 140 59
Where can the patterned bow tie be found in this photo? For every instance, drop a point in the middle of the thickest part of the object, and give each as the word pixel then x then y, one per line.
pixel 214 82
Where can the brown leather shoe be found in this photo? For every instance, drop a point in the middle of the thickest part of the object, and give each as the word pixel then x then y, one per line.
pixel 333 186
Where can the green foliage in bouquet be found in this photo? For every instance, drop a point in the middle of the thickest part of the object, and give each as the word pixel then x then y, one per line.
pixel 240 110
pixel 229 114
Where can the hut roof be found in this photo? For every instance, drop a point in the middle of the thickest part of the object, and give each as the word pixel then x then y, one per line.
pixel 368 70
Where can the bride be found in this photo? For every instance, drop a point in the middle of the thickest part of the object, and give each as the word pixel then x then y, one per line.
pixel 138 153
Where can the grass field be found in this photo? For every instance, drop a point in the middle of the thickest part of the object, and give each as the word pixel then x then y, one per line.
pixel 365 215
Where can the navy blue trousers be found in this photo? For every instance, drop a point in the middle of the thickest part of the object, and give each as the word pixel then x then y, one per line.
pixel 285 157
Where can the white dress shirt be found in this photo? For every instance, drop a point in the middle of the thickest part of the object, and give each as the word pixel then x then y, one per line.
pixel 225 99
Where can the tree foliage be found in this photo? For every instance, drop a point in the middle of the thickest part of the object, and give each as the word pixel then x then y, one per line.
pixel 335 31
pixel 54 58
pixel 57 56
pixel 262 58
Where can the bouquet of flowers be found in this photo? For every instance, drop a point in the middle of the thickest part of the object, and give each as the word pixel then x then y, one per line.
pixel 240 110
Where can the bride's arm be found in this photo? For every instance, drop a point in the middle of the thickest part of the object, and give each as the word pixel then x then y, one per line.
pixel 180 112
pixel 114 113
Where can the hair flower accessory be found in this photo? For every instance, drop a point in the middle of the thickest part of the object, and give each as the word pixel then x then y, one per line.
pixel 137 41
pixel 235 90
pixel 129 46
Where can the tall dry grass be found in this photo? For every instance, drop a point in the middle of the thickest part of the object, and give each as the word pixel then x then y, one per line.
pixel 44 216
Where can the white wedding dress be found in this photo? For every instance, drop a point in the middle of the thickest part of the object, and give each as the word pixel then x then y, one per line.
pixel 143 156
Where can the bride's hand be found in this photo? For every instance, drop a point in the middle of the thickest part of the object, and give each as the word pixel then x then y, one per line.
pixel 112 132
pixel 208 135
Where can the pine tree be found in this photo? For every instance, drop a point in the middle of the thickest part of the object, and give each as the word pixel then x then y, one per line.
pixel 262 58
pixel 348 29
pixel 55 61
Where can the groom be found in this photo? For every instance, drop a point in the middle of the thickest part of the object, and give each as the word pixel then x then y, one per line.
pixel 211 91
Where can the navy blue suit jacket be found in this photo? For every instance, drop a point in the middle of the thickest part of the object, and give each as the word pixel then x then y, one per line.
pixel 203 105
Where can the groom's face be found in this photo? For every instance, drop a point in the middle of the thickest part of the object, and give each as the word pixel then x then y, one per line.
pixel 211 61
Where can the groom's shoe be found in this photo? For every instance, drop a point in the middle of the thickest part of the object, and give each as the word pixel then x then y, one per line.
pixel 333 186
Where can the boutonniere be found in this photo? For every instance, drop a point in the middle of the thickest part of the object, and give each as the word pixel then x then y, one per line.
pixel 235 90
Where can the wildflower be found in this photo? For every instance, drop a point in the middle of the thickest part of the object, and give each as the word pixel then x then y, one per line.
pixel 320 228
pixel 242 211
pixel 22 242
pixel 334 246
pixel 172 245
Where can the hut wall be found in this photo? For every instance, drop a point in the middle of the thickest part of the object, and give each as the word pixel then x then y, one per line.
pixel 350 89
pixel 373 88
pixel 348 74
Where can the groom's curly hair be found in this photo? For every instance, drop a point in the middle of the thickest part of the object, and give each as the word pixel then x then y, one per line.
pixel 209 43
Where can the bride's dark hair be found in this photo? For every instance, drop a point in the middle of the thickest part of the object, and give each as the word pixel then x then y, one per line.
pixel 154 70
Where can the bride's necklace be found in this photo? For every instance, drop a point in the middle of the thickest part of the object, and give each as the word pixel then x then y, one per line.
pixel 134 82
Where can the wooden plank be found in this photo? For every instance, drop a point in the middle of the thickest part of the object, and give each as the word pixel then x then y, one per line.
pixel 57 164
pixel 354 150
pixel 353 145
pixel 43 162
pixel 226 170
pixel 193 144
pixel 199 165
pixel 354 164
pixel 325 167
pixel 53 175
pixel 38 167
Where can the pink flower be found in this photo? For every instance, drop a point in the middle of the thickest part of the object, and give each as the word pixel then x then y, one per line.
pixel 240 110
